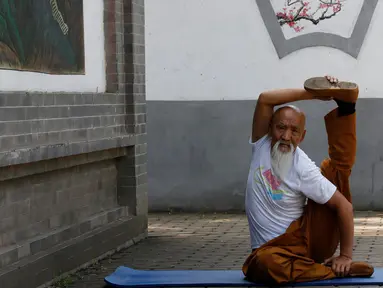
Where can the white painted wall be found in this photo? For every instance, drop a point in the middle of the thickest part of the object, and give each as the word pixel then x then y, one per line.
pixel 93 81
pixel 221 50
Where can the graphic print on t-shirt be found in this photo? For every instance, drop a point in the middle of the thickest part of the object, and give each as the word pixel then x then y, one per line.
pixel 270 181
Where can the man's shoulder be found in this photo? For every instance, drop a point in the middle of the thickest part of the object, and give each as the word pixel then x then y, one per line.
pixel 302 161
pixel 262 142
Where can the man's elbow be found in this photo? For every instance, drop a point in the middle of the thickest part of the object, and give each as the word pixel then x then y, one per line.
pixel 347 208
pixel 339 203
pixel 262 99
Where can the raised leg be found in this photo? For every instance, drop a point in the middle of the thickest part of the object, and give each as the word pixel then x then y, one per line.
pixel 323 234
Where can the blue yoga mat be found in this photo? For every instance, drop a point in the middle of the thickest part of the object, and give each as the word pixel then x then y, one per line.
pixel 127 277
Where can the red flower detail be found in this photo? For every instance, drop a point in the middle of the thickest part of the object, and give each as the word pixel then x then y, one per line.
pixel 271 179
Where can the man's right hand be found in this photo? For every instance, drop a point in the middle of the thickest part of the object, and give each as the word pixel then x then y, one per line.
pixel 332 79
pixel 340 265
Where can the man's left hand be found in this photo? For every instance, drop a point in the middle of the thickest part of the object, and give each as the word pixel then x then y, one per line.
pixel 340 265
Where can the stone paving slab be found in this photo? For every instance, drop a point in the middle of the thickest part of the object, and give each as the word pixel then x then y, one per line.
pixel 209 241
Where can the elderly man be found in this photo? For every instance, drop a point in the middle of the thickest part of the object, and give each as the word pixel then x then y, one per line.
pixel 298 213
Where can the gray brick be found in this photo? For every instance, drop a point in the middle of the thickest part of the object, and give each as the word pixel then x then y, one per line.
pixel 12 114
pixel 39 214
pixel 6 224
pixel 8 257
pixel 141 139
pixel 3 198
pixel 48 99
pixel 84 227
pixel 53 112
pixel 55 221
pixel 140 149
pixel 3 99
pixel 32 113
pixel 130 161
pixel 99 132
pixel 133 180
pixel 53 137
pixel 142 200
pixel 138 19
pixel 3 128
pixel 22 220
pixel 13 99
pixel 67 218
pixel 99 221
pixel 7 142
pixel 23 140
pixel 23 251
pixel 64 99
pixel 88 98
pixel 16 128
pixel 57 124
pixel 134 170
pixel 36 126
pixel 8 238
pixel 139 108
pixel 35 247
pixel 67 234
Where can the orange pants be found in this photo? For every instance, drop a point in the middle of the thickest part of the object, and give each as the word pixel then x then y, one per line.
pixel 295 256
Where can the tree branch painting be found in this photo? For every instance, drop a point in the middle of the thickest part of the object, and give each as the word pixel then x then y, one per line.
pixel 296 11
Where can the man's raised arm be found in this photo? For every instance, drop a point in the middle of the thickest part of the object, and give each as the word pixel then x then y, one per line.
pixel 265 108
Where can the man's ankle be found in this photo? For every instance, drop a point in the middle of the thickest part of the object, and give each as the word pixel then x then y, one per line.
pixel 345 108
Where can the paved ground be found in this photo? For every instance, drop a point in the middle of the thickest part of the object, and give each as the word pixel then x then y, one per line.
pixel 215 241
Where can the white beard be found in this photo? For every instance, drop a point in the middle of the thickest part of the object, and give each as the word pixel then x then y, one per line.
pixel 281 161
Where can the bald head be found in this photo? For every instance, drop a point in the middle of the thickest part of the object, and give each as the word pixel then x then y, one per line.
pixel 290 112
pixel 288 127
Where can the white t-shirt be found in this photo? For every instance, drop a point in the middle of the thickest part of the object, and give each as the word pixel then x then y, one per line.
pixel 272 205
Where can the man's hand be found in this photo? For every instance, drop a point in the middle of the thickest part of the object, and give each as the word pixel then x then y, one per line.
pixel 333 81
pixel 340 265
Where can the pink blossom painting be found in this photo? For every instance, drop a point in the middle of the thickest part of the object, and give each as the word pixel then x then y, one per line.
pixel 298 17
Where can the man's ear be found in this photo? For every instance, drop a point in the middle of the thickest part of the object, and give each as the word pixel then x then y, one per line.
pixel 303 136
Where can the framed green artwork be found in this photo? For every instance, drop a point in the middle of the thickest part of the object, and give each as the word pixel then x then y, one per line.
pixel 45 36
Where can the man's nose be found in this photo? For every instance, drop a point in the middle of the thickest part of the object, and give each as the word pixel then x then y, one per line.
pixel 286 136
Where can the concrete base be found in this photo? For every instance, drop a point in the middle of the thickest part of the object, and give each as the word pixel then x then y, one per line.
pixel 42 267
pixel 199 154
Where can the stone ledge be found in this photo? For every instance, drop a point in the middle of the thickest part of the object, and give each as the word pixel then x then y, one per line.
pixel 49 99
pixel 33 168
pixel 45 266
pixel 58 150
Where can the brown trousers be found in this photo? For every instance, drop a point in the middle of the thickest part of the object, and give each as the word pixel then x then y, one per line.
pixel 296 255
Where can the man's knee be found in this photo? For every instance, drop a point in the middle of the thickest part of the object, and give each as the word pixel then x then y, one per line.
pixel 266 258
pixel 269 266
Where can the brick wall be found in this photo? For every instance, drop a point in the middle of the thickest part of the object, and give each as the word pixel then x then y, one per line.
pixel 61 201
pixel 28 120
pixel 72 163
pixel 132 176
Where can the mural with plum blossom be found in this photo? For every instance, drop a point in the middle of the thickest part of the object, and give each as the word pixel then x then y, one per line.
pixel 298 17
pixel 298 24
pixel 295 11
